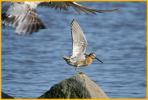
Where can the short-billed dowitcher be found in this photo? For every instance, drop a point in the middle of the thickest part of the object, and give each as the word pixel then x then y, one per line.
pixel 79 57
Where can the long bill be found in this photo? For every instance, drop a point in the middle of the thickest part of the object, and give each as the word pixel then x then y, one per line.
pixel 99 60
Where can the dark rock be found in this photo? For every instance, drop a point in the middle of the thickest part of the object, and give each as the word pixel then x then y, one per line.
pixel 4 95
pixel 78 86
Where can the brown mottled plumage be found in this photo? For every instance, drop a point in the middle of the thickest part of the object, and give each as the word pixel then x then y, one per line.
pixel 83 63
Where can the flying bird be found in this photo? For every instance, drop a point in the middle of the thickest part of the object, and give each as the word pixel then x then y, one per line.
pixel 79 58
pixel 24 18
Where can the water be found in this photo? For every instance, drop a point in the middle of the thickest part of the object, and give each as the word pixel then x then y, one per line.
pixel 32 64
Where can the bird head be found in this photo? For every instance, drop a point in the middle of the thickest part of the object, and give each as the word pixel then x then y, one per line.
pixel 93 56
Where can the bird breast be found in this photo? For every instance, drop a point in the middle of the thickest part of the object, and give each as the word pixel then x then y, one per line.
pixel 89 60
pixel 85 62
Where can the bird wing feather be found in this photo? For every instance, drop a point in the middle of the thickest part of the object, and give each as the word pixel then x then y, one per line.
pixel 78 7
pixel 79 41
pixel 25 20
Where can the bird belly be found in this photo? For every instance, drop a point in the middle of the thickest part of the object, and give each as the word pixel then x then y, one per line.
pixel 81 63
pixel 77 64
pixel 84 63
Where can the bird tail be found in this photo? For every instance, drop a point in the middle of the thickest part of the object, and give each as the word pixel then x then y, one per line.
pixel 66 58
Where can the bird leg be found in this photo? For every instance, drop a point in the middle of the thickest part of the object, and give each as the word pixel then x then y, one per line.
pixel 76 69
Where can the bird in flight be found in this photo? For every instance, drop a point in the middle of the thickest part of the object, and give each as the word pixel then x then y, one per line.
pixel 24 18
pixel 79 58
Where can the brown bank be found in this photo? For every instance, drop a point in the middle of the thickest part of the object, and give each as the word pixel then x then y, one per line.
pixel 78 86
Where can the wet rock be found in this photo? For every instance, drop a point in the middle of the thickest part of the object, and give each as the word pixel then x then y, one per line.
pixel 4 95
pixel 78 86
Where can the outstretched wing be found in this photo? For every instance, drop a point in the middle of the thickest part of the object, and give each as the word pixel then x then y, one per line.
pixel 79 8
pixel 23 18
pixel 79 41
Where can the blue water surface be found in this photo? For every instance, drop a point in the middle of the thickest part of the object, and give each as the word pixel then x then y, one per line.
pixel 32 64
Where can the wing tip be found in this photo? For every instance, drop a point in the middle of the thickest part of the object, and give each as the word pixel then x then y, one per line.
pixel 74 21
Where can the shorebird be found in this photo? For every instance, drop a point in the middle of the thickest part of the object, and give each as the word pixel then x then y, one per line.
pixel 79 58
pixel 23 16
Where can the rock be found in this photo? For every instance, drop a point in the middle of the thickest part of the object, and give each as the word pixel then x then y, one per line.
pixel 4 95
pixel 78 86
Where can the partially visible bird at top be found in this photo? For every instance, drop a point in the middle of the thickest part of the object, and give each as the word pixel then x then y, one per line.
pixel 79 58
pixel 23 16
